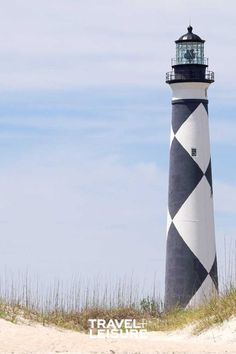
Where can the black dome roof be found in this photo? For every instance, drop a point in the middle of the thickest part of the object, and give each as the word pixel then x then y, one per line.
pixel 190 37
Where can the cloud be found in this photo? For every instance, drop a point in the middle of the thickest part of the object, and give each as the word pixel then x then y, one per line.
pixel 93 121
pixel 90 215
pixel 223 131
pixel 79 179
pixel 225 197
pixel 64 44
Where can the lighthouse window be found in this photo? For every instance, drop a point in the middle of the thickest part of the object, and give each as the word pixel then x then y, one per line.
pixel 190 53
pixel 194 152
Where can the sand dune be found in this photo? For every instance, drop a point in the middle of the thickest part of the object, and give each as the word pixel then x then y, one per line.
pixel 35 338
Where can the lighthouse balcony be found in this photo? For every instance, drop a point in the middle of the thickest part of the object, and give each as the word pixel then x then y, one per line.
pixel 189 76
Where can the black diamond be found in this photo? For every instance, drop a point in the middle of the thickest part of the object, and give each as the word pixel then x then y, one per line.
pixel 184 272
pixel 185 174
pixel 208 175
pixel 213 273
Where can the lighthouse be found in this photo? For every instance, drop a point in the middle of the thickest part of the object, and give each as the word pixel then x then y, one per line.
pixel 191 263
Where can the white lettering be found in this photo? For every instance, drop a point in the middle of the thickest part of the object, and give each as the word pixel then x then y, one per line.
pixel 111 324
pixel 101 333
pixel 101 323
pixel 119 323
pixel 128 323
pixel 92 322
pixel 135 324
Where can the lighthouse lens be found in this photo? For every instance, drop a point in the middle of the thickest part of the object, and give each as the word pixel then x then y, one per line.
pixel 190 53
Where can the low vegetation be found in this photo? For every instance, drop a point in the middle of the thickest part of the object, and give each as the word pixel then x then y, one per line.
pixel 217 310
pixel 74 313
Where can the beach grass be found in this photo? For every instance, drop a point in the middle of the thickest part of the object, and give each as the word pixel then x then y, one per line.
pixel 70 305
pixel 73 309
pixel 218 309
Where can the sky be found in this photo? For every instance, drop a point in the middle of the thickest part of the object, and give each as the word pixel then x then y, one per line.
pixel 84 132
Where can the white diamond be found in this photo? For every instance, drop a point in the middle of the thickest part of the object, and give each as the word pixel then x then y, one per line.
pixel 195 223
pixel 169 221
pixel 172 135
pixel 194 134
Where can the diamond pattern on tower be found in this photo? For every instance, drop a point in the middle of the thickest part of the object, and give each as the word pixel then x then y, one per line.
pixel 181 112
pixel 191 267
pixel 204 293
pixel 195 225
pixel 185 175
pixel 208 175
pixel 184 272
pixel 194 134
pixel 213 273
pixel 172 135
pixel 169 221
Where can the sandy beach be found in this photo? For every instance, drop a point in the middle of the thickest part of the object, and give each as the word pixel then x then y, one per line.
pixel 35 338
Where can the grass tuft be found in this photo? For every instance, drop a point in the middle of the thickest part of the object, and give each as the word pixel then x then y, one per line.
pixel 214 312
pixel 217 310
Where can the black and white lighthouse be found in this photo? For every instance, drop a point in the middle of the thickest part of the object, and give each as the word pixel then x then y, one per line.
pixel 191 265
